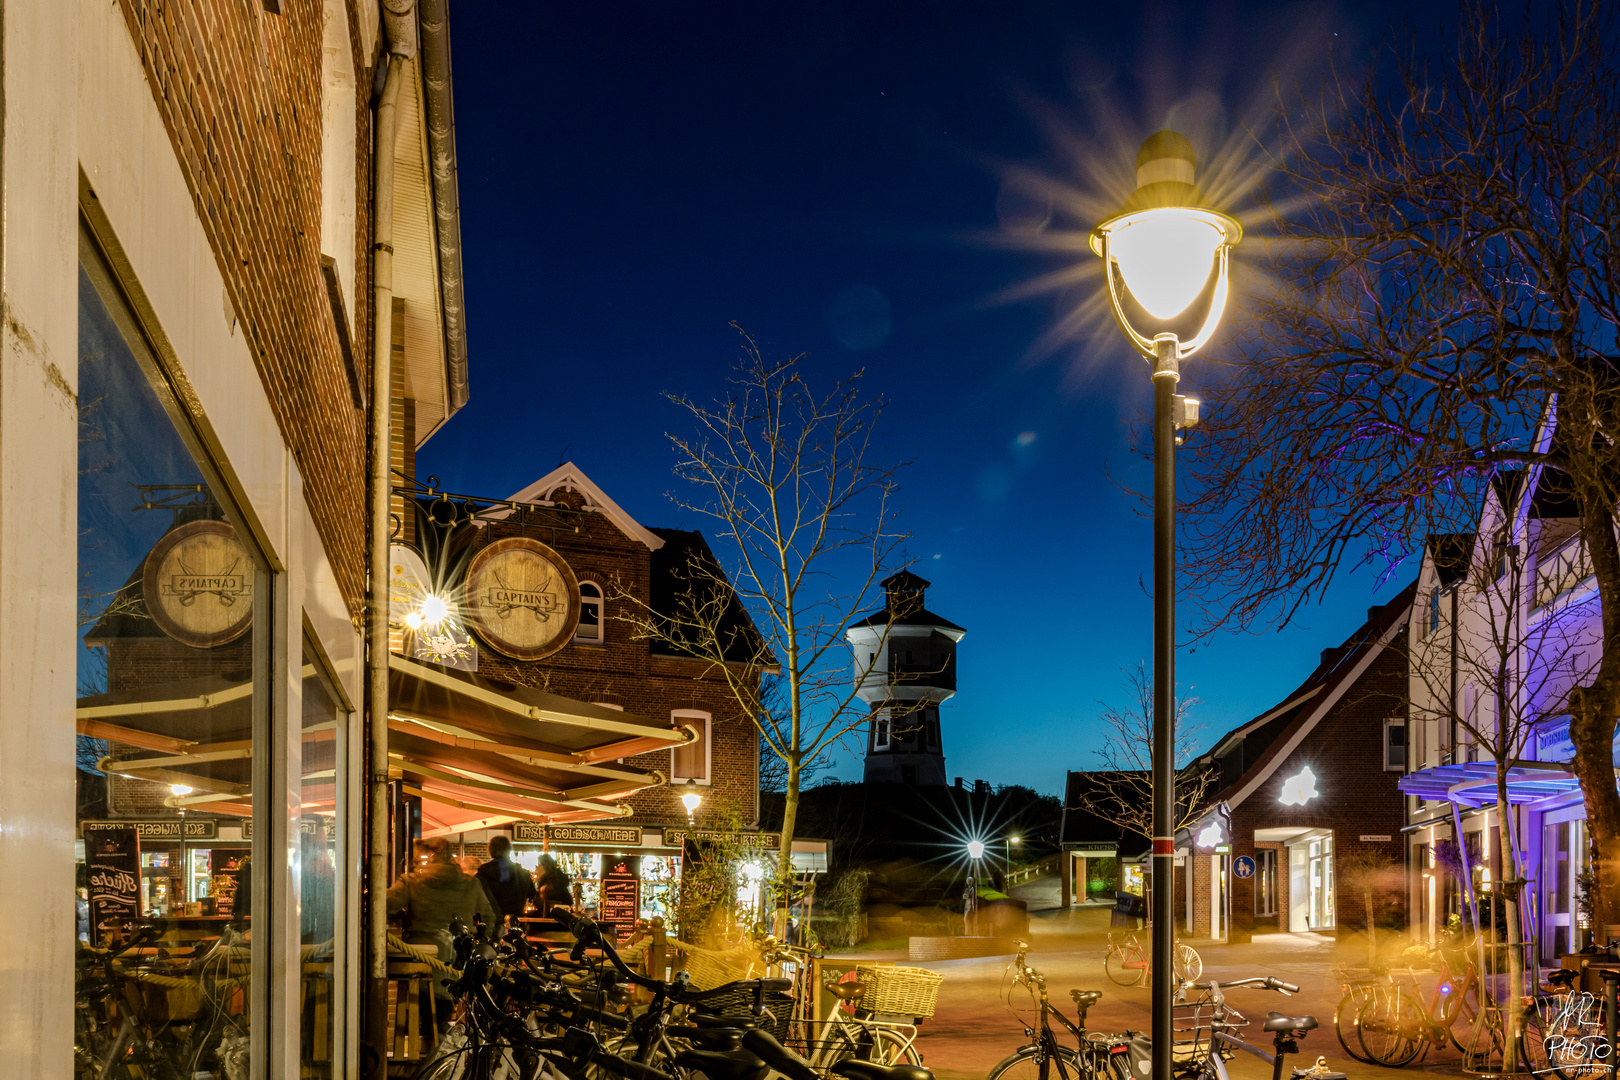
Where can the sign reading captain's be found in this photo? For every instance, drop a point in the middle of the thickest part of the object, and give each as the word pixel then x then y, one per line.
pixel 522 598
pixel 198 584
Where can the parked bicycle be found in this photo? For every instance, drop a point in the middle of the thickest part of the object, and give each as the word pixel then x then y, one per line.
pixel 1094 1057
pixel 1128 964
pixel 1397 1025
pixel 1213 1043
pixel 1356 991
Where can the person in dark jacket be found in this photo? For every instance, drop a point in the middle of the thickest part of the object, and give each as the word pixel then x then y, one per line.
pixel 554 886
pixel 428 899
pixel 509 885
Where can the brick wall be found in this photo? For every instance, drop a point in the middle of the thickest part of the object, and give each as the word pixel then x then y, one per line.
pixel 1356 796
pixel 623 671
pixel 239 90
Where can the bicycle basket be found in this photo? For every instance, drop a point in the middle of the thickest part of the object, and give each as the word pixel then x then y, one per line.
pixel 899 991
pixel 740 1004
pixel 161 999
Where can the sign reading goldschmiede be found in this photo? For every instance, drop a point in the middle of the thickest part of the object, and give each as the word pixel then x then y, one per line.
pixel 531 832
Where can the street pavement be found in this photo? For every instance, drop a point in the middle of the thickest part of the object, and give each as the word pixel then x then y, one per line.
pixel 973 1029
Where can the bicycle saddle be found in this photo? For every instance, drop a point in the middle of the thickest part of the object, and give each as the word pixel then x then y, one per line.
pixel 717 1039
pixel 871 1070
pixel 742 1023
pixel 848 991
pixel 1278 1022
pixel 737 1065
pixel 1085 998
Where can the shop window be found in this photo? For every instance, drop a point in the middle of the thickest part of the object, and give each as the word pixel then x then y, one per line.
pixel 1394 745
pixel 172 707
pixel 590 613
pixel 690 761
pixel 322 854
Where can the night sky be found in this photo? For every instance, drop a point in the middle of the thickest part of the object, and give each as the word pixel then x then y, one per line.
pixel 832 176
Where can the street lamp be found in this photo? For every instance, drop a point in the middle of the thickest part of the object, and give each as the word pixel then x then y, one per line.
pixel 1163 253
pixel 691 796
pixel 1011 840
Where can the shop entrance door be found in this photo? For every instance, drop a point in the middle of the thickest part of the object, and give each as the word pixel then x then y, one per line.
pixel 1560 842
pixel 1320 882
pixel 1217 897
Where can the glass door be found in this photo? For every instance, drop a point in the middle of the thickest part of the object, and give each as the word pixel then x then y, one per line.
pixel 1320 880
pixel 1558 870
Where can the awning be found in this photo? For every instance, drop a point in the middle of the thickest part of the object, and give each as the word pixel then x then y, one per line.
pixel 1473 783
pixel 478 751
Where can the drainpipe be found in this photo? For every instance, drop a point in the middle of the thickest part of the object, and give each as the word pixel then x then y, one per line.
pixel 399 30
pixel 1453 710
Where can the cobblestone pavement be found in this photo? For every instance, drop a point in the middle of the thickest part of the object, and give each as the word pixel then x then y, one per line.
pixel 972 1029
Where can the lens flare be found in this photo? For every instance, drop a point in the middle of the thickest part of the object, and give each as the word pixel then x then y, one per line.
pixel 434 610
pixel 975 849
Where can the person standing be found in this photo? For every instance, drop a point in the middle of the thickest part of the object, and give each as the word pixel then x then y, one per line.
pixel 428 899
pixel 509 885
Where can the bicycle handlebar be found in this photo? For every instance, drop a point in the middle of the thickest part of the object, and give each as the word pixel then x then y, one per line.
pixel 1263 982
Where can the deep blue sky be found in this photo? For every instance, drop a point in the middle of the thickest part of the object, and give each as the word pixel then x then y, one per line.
pixel 636 175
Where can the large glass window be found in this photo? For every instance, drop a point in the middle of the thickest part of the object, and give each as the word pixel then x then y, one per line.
pixel 320 855
pixel 170 719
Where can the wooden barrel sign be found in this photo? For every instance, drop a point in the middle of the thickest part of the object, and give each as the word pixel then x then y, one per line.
pixel 198 583
pixel 522 598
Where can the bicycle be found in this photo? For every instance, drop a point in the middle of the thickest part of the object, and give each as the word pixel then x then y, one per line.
pixel 1209 1061
pixel 847 1030
pixel 1129 965
pixel 1396 1026
pixel 1357 992
pixel 1096 1057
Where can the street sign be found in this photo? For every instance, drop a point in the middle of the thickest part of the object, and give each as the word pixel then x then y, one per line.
pixel 1243 866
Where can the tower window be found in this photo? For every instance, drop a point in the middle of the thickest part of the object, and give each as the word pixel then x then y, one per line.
pixel 590 613
pixel 880 730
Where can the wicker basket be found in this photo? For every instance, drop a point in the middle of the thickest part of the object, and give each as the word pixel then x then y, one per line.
pixel 710 969
pixel 899 991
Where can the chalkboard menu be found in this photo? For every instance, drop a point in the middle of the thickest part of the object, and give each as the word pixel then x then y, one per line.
pixel 621 894
pixel 224 864
pixel 114 859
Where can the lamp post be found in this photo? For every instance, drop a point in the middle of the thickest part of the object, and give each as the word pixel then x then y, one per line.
pixel 1008 846
pixel 970 898
pixel 1165 258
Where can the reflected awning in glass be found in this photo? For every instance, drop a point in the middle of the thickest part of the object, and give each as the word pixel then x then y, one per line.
pixel 1473 783
pixel 481 751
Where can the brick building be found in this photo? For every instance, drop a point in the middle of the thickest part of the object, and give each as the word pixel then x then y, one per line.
pixel 208 205
pixel 1300 792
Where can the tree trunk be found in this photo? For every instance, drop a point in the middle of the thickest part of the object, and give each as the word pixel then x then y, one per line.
pixel 784 857
pixel 1592 723
pixel 1372 929
pixel 1512 1013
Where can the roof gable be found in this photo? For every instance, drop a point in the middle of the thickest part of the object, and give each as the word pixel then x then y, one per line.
pixel 570 477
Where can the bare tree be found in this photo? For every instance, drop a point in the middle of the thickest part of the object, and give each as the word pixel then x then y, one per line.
pixel 804 510
pixel 772 767
pixel 1438 271
pixel 1121 791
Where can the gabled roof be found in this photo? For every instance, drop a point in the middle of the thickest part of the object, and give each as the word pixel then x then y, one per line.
pixel 1285 726
pixel 570 477
pixel 678 555
pixel 903 606
pixel 1452 553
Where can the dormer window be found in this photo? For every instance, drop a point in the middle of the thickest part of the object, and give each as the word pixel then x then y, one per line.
pixel 590 613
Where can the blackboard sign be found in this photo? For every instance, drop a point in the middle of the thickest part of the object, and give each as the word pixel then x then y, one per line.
pixel 621 894
pixel 223 866
pixel 114 859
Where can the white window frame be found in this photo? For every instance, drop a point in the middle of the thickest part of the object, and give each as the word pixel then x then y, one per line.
pixel 704 723
pixel 1406 746
pixel 600 601
pixel 882 729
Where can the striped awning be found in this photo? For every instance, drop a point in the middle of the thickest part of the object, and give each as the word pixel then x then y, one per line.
pixel 1473 783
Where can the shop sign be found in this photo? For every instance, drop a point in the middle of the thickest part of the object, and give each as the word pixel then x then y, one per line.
pixel 198 584
pixel 159 830
pixel 522 598
pixel 532 832
pixel 324 827
pixel 769 841
pixel 226 867
pixel 621 895
pixel 113 856
pixel 1211 835
pixel 427 622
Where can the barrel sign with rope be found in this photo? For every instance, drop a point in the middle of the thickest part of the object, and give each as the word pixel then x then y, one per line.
pixel 522 598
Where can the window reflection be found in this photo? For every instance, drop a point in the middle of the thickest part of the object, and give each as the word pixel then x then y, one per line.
pixel 167 707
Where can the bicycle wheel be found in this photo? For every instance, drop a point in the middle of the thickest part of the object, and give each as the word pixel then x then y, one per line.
pixel 460 1063
pixel 891 1048
pixel 1344 1025
pixel 1028 1064
pixel 1389 1027
pixel 1125 967
pixel 1189 965
pixel 1533 1044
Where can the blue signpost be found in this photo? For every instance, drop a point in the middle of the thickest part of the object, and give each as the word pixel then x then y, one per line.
pixel 1243 866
